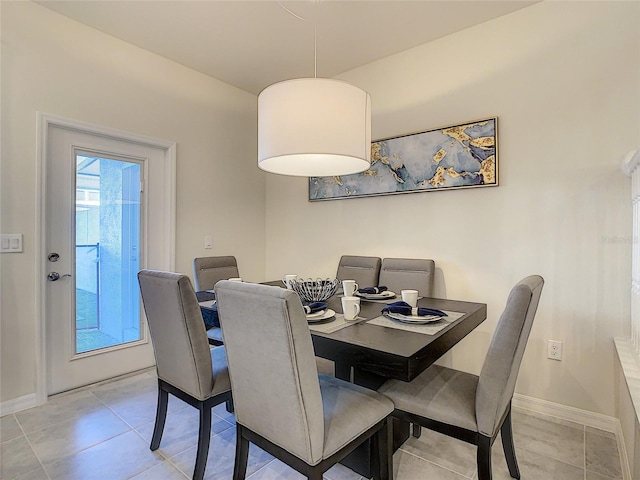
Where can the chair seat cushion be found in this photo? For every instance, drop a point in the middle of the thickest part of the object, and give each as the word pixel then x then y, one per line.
pixel 438 393
pixel 349 411
pixel 220 371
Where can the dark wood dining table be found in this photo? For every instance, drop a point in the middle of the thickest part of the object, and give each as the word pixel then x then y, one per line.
pixel 368 354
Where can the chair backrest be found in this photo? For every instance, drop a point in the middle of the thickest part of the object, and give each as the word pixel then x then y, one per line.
pixel 179 338
pixel 408 273
pixel 499 372
pixel 364 270
pixel 207 271
pixel 274 378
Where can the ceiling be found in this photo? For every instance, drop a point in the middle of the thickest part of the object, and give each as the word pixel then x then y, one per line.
pixel 252 44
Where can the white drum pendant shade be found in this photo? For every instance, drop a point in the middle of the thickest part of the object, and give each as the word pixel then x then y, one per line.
pixel 314 127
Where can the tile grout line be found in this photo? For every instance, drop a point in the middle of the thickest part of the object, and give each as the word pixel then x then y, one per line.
pixel 133 429
pixel 166 457
pixel 584 428
pixel 187 448
pixel 433 463
pixel 584 450
pixel 177 467
pixel 24 434
pixel 261 468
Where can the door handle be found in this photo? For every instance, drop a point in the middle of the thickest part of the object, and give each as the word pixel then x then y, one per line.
pixel 53 276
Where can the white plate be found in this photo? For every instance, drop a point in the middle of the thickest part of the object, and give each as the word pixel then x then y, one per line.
pixel 376 296
pixel 328 313
pixel 413 319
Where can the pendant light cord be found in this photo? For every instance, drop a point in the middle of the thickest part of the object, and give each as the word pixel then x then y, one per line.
pixel 315 40
pixel 292 12
pixel 315 33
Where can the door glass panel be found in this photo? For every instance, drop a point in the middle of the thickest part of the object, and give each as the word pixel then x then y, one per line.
pixel 107 256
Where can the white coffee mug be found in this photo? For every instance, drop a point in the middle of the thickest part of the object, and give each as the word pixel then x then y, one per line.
pixel 350 307
pixel 235 279
pixel 349 287
pixel 287 279
pixel 410 297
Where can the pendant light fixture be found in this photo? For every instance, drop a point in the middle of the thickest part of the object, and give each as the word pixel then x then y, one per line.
pixel 314 127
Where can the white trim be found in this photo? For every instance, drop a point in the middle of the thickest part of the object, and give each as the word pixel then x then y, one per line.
pixel 50 119
pixel 171 191
pixel 18 404
pixel 578 416
pixel 42 139
pixel 565 412
pixel 628 349
pixel 630 161
pixel 631 371
pixel 43 122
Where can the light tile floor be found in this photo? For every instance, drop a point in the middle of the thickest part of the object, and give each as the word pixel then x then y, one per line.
pixel 102 432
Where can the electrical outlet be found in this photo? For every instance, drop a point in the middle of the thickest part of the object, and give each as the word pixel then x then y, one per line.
pixel 554 349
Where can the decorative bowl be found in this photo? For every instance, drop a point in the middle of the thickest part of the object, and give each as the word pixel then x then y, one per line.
pixel 317 290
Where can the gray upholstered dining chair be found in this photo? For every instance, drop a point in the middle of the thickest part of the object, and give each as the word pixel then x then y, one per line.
pixel 206 273
pixel 364 270
pixel 469 407
pixel 187 368
pixel 308 421
pixel 208 270
pixel 408 273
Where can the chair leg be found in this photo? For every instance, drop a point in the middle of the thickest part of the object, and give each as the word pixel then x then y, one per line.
pixel 417 430
pixel 204 437
pixel 506 432
pixel 161 416
pixel 315 474
pixel 383 455
pixel 242 455
pixel 484 458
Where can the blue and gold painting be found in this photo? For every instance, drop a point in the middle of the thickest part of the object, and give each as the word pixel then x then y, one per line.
pixel 458 156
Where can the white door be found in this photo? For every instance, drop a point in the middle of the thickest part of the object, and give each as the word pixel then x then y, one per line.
pixel 105 219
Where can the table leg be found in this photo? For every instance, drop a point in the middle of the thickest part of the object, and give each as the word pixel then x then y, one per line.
pixel 401 428
pixel 342 371
pixel 360 459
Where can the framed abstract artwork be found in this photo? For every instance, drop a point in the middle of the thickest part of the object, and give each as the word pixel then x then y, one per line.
pixel 453 157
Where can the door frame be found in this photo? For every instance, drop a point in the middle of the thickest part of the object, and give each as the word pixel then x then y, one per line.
pixel 43 122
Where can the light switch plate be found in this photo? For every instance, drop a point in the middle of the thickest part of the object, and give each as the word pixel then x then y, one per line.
pixel 11 242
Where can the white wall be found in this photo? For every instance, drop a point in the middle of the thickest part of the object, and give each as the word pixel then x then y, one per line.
pixel 563 79
pixel 58 66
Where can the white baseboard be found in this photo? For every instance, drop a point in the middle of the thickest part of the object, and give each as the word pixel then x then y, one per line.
pixel 581 417
pixel 18 404
pixel 564 412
